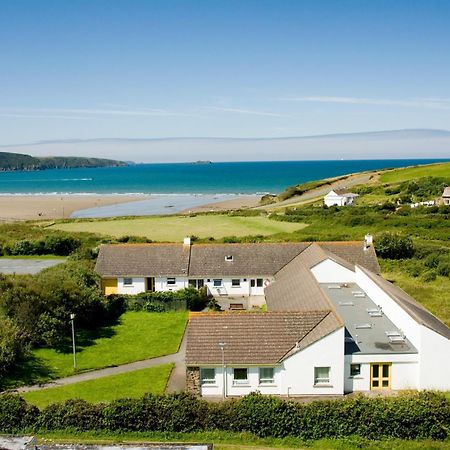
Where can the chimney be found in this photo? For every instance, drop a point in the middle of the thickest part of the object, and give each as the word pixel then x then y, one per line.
pixel 368 241
pixel 187 241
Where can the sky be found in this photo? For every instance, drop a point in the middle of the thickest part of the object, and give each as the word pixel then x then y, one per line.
pixel 87 69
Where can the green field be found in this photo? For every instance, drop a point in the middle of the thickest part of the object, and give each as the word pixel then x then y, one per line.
pixel 399 175
pixel 125 385
pixel 137 336
pixel 240 441
pixel 174 228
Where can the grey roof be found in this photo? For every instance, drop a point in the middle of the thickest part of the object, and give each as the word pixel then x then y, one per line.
pixel 262 259
pixel 295 288
pixel 143 260
pixel 354 312
pixel 208 260
pixel 446 192
pixel 254 338
pixel 414 309
pixel 344 192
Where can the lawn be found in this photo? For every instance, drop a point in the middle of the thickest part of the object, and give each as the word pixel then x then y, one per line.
pixel 125 385
pixel 239 441
pixel 174 228
pixel 137 336
pixel 399 175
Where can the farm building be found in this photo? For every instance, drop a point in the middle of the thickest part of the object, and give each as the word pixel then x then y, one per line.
pixel 339 197
pixel 446 196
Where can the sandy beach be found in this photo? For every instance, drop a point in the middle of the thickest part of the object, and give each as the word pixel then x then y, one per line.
pixel 29 207
pixel 42 207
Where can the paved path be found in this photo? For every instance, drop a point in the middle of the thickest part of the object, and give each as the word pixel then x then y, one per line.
pixel 352 180
pixel 176 380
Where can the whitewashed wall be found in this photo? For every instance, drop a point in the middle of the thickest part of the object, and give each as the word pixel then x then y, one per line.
pixel 434 360
pixel 161 284
pixel 404 371
pixel 329 271
pixel 298 375
pixel 133 289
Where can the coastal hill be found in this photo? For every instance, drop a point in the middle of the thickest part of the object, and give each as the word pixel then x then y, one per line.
pixel 18 161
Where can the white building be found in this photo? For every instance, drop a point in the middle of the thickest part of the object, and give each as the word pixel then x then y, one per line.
pixel 446 196
pixel 331 327
pixel 339 197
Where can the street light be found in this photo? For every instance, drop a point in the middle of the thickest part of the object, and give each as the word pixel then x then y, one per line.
pixel 72 320
pixel 224 378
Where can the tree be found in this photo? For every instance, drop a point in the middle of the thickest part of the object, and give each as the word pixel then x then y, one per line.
pixel 394 246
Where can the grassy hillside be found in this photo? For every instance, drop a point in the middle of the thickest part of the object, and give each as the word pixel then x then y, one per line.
pixel 18 161
pixel 410 173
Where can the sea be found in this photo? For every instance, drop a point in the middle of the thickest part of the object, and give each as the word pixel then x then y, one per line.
pixel 178 186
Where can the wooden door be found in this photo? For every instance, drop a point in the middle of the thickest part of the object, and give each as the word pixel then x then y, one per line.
pixel 380 376
pixel 109 286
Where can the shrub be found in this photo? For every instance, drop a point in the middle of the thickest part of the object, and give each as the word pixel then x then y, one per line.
pixel 60 245
pixel 15 413
pixel 429 275
pixel 420 415
pixel 443 268
pixel 394 246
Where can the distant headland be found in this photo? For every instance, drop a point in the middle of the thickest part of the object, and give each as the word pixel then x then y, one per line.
pixel 10 162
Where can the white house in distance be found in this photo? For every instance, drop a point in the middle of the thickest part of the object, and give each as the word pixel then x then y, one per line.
pixel 339 197
pixel 446 196
pixel 333 325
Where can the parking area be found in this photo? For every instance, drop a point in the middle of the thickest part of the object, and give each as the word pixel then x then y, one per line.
pixel 26 266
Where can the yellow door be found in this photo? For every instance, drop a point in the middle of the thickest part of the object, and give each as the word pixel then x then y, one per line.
pixel 380 376
pixel 109 286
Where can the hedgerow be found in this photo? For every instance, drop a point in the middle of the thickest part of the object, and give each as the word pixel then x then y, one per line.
pixel 419 415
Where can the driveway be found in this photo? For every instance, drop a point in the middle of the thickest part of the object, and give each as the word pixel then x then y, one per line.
pixel 26 266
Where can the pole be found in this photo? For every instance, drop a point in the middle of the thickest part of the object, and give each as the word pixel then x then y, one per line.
pixel 224 378
pixel 72 319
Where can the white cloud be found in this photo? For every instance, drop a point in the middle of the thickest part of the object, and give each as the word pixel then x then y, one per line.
pixel 246 111
pixel 432 103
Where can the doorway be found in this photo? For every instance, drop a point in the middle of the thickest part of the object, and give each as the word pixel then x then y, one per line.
pixel 380 376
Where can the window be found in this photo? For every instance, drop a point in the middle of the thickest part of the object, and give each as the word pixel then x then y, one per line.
pixel 208 376
pixel 240 376
pixel 128 281
pixel 266 375
pixel 321 375
pixel 355 370
pixel 217 283
pixel 259 282
pixel 171 281
pixel 196 283
pixel 236 282
pixel 252 283
pixel 229 258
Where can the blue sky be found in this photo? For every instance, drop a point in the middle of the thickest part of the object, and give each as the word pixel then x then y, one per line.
pixel 142 69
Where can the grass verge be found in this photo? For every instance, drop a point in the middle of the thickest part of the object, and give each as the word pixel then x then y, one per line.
pixel 234 441
pixel 103 390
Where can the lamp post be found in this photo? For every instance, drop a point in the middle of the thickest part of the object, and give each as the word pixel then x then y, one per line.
pixel 224 377
pixel 72 320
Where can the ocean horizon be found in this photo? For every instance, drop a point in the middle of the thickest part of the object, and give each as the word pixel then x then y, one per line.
pixel 188 178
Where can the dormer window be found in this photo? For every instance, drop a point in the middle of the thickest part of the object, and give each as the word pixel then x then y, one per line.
pixel 229 258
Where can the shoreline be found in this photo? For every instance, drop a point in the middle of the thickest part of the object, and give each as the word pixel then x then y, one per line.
pixel 52 206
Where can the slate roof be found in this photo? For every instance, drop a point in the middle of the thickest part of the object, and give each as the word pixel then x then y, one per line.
pixel 446 192
pixel 405 301
pixel 208 260
pixel 344 193
pixel 143 260
pixel 254 338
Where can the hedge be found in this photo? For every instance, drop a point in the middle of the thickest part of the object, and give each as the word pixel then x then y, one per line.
pixel 418 415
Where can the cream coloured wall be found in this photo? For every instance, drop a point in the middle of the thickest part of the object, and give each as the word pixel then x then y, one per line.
pixel 329 271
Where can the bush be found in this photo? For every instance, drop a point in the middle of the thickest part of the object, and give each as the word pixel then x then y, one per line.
pixel 16 414
pixel 419 415
pixel 394 246
pixel 429 275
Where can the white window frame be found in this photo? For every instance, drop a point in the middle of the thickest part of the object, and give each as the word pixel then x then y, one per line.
pixel 128 281
pixel 235 285
pixel 267 380
pixel 207 381
pixel 240 382
pixel 172 281
pixel 218 280
pixel 319 381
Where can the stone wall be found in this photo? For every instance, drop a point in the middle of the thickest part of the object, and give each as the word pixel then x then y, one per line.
pixel 193 380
